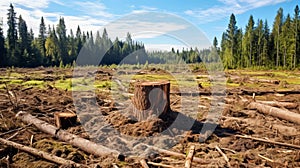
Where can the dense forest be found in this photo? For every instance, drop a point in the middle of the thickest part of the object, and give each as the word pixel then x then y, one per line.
pixel 258 46
pixel 254 46
pixel 55 47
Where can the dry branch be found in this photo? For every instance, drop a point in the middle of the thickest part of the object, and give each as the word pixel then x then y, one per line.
pixel 144 163
pixel 160 165
pixel 276 112
pixel 39 153
pixel 189 158
pixel 223 154
pixel 72 139
pixel 179 155
pixel 268 141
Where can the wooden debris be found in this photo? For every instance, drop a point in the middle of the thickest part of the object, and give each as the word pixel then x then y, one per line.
pixel 151 99
pixel 72 139
pixel 189 158
pixel 65 120
pixel 285 130
pixel 268 141
pixel 160 165
pixel 263 157
pixel 288 105
pixel 276 112
pixel 179 155
pixel 224 155
pixel 41 154
pixel 144 163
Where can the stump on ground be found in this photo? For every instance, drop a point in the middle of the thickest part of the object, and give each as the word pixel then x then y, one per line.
pixel 65 120
pixel 151 99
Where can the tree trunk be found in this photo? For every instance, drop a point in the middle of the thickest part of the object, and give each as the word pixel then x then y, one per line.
pixel 72 139
pixel 276 112
pixel 41 154
pixel 65 120
pixel 151 99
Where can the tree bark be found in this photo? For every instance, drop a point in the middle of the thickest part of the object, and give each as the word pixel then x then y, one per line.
pixel 65 120
pixel 276 112
pixel 72 139
pixel 41 154
pixel 151 99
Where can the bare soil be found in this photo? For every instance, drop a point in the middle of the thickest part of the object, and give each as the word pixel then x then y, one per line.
pixel 236 119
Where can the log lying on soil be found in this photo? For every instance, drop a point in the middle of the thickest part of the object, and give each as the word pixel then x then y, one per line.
pixel 288 105
pixel 41 154
pixel 276 112
pixel 72 139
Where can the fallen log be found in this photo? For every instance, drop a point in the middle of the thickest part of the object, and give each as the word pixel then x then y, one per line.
pixel 276 112
pixel 288 105
pixel 72 139
pixel 41 154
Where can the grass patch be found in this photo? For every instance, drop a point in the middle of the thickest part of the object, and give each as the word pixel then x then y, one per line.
pixel 34 83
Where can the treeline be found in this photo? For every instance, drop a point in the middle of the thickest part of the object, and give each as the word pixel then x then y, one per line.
pixel 55 47
pixel 258 46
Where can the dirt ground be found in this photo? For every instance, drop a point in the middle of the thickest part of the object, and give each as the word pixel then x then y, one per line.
pixel 235 119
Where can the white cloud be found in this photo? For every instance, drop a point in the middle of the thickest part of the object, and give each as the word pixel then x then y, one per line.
pixel 229 6
pixel 143 9
pixel 90 16
pixel 93 8
pixel 164 47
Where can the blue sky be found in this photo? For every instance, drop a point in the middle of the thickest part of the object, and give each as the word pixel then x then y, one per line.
pixel 210 16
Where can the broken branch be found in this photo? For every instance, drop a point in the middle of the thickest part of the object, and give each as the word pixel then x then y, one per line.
pixel 268 141
pixel 189 158
pixel 39 153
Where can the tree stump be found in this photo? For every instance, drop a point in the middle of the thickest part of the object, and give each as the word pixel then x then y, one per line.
pixel 65 120
pixel 151 99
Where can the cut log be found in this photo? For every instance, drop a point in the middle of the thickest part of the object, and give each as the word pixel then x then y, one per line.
pixel 72 139
pixel 276 112
pixel 41 154
pixel 65 120
pixel 151 99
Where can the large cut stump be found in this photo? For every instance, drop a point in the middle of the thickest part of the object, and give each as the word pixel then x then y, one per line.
pixel 151 99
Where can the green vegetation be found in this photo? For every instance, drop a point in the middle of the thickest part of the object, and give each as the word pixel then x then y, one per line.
pixel 259 47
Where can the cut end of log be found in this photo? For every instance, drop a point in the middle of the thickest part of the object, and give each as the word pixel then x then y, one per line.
pixel 65 120
pixel 151 99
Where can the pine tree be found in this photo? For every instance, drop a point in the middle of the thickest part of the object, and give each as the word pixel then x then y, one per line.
pixel 3 60
pixel 248 41
pixel 12 36
pixel 78 40
pixel 42 38
pixel 296 36
pixel 24 45
pixel 286 41
pixel 231 33
pixel 265 53
pixel 62 40
pixel 276 33
pixel 260 38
